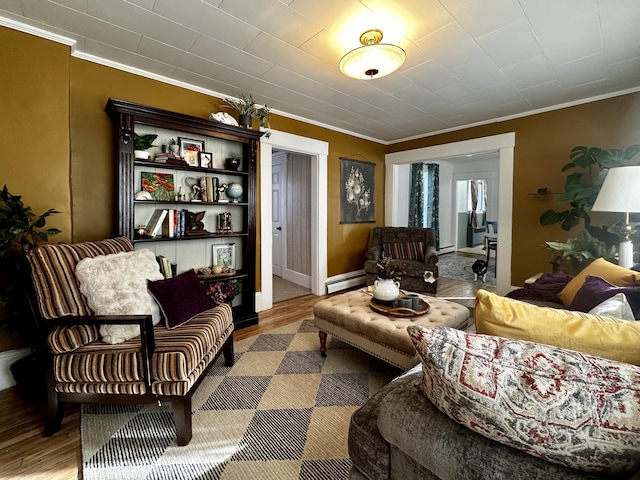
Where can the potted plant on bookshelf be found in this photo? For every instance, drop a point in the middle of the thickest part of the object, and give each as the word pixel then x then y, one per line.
pixel 20 230
pixel 248 109
pixel 141 143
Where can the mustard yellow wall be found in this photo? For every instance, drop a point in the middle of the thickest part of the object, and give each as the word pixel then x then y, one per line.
pixel 543 143
pixel 34 128
pixel 92 157
pixel 53 111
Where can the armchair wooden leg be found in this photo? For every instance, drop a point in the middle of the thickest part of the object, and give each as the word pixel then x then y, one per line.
pixel 228 352
pixel 55 408
pixel 182 419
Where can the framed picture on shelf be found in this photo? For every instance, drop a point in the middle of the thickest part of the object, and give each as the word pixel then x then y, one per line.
pixel 189 150
pixel 224 255
pixel 206 159
pixel 159 185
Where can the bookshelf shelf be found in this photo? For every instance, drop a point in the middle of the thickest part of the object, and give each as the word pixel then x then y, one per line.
pixel 190 251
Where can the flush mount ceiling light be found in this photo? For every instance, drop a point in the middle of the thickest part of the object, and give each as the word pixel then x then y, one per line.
pixel 373 59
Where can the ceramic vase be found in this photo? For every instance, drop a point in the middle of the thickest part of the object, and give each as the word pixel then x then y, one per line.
pixel 386 290
pixel 232 163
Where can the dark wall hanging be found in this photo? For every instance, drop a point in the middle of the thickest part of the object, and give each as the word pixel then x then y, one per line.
pixel 357 191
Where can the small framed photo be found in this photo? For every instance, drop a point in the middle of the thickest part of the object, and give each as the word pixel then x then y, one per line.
pixel 205 159
pixel 224 256
pixel 189 150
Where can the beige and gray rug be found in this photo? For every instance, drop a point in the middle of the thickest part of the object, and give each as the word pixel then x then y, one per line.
pixel 281 412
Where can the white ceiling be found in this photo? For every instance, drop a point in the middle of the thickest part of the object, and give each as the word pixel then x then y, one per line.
pixel 468 61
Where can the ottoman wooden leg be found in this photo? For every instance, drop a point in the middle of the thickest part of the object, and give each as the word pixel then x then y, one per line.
pixel 323 343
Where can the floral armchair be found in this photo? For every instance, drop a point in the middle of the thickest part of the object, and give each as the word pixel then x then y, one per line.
pixel 413 246
pixel 165 362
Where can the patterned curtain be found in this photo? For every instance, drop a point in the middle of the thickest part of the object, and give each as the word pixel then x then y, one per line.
pixel 416 196
pixel 474 203
pixel 433 202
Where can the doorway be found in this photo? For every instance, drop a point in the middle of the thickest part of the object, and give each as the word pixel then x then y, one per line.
pixel 503 144
pixel 291 224
pixel 318 151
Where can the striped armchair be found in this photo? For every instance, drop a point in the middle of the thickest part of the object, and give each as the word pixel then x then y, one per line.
pixel 158 365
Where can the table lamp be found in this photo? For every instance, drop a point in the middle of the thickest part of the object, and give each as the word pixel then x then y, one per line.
pixel 620 192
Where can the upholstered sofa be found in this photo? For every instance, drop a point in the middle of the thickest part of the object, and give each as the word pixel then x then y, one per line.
pixel 413 246
pixel 580 378
pixel 400 434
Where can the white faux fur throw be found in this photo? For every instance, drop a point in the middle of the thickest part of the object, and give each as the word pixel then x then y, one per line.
pixel 116 284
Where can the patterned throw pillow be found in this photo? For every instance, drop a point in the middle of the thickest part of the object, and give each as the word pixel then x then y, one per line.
pixel 570 408
pixel 404 251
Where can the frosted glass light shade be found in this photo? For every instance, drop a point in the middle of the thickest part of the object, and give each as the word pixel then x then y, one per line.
pixel 373 59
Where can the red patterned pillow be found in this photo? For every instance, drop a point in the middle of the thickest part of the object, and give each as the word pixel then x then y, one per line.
pixel 567 407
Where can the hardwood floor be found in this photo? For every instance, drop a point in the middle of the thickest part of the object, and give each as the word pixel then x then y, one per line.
pixel 26 454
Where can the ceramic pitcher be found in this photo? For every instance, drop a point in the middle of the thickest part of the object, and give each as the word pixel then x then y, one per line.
pixel 386 290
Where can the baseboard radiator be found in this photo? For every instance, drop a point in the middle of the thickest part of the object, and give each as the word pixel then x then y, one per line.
pixel 345 280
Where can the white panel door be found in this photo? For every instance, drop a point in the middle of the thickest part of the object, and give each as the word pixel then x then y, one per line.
pixel 277 201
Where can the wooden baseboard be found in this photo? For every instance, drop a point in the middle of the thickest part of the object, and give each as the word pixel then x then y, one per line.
pixel 6 359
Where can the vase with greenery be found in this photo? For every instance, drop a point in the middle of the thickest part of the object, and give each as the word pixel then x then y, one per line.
pixel 20 230
pixel 248 109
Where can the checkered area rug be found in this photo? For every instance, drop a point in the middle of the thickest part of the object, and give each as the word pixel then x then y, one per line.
pixel 281 412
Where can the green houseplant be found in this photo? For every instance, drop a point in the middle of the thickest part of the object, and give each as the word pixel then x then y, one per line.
pixel 589 167
pixel 20 230
pixel 141 143
pixel 248 109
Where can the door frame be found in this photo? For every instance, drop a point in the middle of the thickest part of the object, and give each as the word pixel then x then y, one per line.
pixel 504 144
pixel 318 150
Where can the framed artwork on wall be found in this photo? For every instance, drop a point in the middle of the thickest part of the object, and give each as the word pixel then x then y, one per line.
pixel 357 191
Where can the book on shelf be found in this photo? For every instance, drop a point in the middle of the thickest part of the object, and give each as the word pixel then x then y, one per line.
pixel 209 190
pixel 154 225
pixel 168 227
pixel 168 158
pixel 167 268
pixel 203 189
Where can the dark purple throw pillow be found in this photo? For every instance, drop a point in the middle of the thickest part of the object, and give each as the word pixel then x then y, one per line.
pixel 596 290
pixel 180 298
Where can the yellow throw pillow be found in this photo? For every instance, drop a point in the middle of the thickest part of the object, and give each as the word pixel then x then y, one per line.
pixel 612 273
pixel 603 336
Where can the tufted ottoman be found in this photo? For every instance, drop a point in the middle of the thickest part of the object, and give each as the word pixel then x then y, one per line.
pixel 349 317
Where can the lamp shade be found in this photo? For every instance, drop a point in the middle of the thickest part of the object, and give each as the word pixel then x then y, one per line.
pixel 620 191
pixel 373 59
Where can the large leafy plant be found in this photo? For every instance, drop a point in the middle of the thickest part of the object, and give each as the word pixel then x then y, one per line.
pixel 20 229
pixel 589 166
pixel 583 248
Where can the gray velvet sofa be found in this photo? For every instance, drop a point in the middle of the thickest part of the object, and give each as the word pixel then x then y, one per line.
pixel 410 237
pixel 400 434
